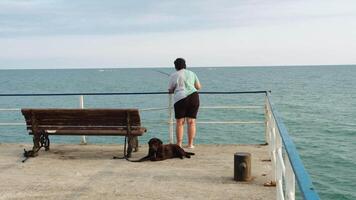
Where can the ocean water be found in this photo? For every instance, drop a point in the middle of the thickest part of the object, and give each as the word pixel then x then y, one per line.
pixel 317 104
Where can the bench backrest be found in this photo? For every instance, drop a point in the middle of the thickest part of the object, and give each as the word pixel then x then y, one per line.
pixel 81 118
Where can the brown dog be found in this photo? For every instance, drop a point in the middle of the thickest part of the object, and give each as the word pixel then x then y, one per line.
pixel 158 151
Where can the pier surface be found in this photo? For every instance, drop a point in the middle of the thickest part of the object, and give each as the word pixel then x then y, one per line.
pixel 71 171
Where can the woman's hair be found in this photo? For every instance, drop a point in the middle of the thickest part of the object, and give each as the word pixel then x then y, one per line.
pixel 179 64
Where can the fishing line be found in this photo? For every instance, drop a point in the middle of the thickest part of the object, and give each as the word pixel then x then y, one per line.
pixel 159 71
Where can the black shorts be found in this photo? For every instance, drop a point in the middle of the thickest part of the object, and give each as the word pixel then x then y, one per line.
pixel 187 107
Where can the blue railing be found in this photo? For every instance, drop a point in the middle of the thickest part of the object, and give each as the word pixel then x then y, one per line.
pixel 301 175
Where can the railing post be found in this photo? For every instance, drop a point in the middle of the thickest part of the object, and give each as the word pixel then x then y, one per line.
pixel 279 165
pixel 81 104
pixel 273 149
pixel 271 138
pixel 170 118
pixel 266 121
pixel 289 180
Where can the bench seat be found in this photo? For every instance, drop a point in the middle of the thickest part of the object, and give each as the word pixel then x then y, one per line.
pixel 92 122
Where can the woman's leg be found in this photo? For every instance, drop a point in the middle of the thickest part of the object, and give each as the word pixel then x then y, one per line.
pixel 191 131
pixel 179 130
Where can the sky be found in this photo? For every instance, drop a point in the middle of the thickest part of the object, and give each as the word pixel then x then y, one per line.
pixel 126 33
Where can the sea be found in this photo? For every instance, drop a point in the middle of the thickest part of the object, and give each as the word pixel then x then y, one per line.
pixel 316 103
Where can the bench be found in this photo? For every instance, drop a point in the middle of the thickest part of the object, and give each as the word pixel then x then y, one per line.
pixel 91 122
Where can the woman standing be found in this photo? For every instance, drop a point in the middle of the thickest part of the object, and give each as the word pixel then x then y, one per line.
pixel 185 85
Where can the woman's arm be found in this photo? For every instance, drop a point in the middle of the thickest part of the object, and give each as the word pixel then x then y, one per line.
pixel 197 85
pixel 171 85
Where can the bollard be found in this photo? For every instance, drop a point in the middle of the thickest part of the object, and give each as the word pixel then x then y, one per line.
pixel 242 166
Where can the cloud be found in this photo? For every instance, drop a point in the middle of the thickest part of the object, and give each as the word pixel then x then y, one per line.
pixel 295 45
pixel 55 33
pixel 59 17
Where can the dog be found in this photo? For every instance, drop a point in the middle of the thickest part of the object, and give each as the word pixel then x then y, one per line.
pixel 158 151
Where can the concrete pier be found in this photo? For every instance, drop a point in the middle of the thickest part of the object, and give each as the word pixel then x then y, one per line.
pixel 70 171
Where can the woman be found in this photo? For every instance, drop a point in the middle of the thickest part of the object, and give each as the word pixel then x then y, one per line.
pixel 184 84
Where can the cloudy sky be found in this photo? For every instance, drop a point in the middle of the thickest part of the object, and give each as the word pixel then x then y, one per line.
pixel 126 33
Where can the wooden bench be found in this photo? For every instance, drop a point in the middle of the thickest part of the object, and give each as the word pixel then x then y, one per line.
pixel 91 122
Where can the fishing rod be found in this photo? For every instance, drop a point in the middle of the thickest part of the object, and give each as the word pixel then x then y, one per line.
pixel 159 71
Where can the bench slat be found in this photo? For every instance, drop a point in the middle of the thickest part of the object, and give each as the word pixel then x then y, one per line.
pixel 85 122
pixel 99 132
pixel 90 116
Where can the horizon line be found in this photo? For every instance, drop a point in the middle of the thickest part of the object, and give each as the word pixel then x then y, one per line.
pixel 151 67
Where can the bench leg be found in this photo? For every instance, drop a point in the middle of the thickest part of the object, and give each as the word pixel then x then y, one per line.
pixel 36 145
pixel 132 143
pixel 129 147
pixel 40 140
pixel 44 141
pixel 135 143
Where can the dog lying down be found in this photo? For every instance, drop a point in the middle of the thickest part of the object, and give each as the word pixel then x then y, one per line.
pixel 158 151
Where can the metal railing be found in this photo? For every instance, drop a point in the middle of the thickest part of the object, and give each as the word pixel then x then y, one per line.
pixel 286 164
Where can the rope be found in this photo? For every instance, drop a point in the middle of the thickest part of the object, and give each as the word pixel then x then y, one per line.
pixel 154 109
pixel 230 122
pixel 126 141
pixel 12 124
pixel 125 155
pixel 228 107
pixel 10 109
